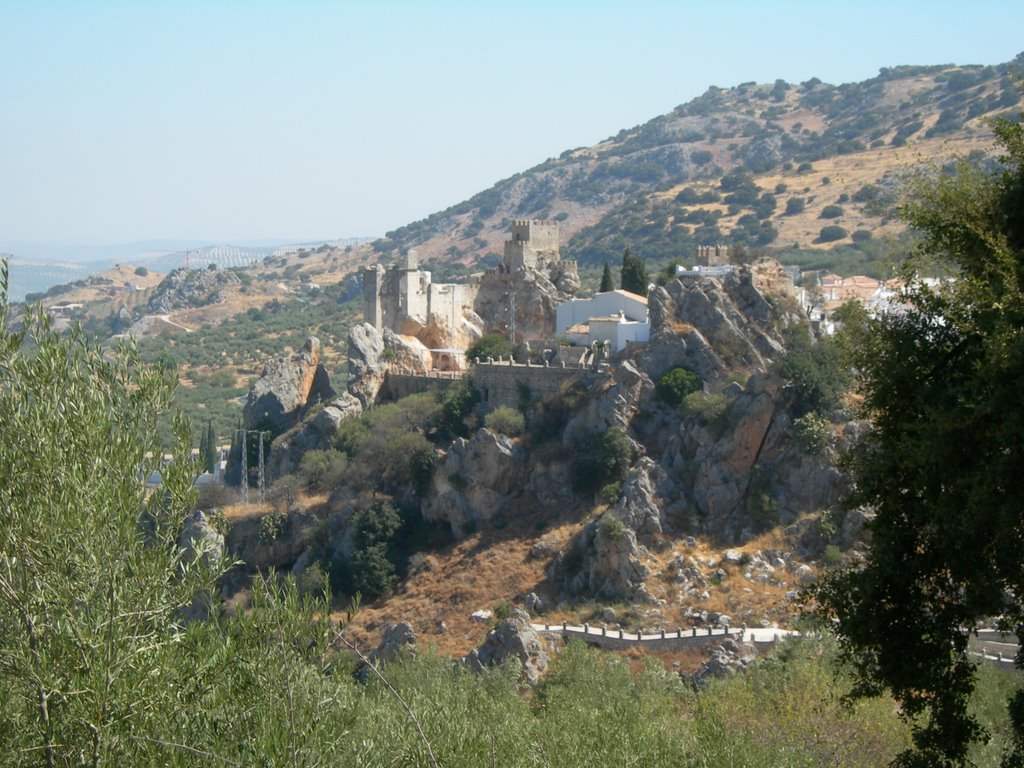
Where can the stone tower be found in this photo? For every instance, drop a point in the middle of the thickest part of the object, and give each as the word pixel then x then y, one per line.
pixel 713 255
pixel 534 243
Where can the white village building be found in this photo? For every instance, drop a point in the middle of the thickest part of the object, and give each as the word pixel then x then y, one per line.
pixel 614 316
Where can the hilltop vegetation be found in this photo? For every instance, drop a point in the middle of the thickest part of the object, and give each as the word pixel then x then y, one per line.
pixel 757 166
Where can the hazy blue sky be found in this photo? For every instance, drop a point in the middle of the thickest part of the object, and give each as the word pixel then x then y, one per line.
pixel 247 120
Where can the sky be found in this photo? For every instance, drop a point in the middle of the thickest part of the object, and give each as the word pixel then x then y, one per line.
pixel 247 121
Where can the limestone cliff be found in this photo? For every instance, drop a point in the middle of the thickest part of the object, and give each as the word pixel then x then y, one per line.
pixel 535 292
pixel 286 386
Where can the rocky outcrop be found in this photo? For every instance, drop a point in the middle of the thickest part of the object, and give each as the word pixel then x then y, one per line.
pixel 604 561
pixel 185 288
pixel 286 386
pixel 199 539
pixel 512 638
pixel 396 638
pixel 476 479
pixel 366 364
pixel 745 472
pixel 535 293
pixel 372 353
pixel 639 506
pixel 277 542
pixel 314 434
pixel 711 324
pixel 728 658
pixel 609 406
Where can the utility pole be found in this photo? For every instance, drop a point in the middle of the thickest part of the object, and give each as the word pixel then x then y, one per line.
pixel 245 469
pixel 512 319
pixel 261 477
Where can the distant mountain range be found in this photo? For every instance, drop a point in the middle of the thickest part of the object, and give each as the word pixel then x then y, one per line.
pixel 35 267
pixel 809 172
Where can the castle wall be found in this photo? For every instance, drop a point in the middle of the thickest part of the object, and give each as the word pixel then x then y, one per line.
pixel 413 296
pixel 449 302
pixel 399 385
pixel 500 383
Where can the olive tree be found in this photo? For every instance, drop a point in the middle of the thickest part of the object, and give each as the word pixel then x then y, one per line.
pixel 942 464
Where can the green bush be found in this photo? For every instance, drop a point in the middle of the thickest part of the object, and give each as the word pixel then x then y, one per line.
pixel 606 460
pixel 676 384
pixel 612 527
pixel 831 233
pixel 831 212
pixel 812 432
pixel 489 345
pixel 610 493
pixel 141 271
pixel 706 408
pixel 832 556
pixel 814 369
pixel 323 470
pixel 455 414
pixel 273 526
pixel 795 205
pixel 507 421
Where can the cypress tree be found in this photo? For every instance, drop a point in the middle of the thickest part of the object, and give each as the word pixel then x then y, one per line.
pixel 607 283
pixel 633 277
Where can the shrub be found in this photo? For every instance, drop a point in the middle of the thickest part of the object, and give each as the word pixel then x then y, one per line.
pixel 489 345
pixel 676 384
pixel 831 234
pixel 832 556
pixel 606 462
pixel 611 527
pixel 273 526
pixel 610 493
pixel 312 581
pixel 861 236
pixel 815 371
pixel 141 271
pixel 811 432
pixel 795 205
pixel 831 212
pixel 373 575
pixel 323 470
pixel 705 408
pixel 218 521
pixel 457 408
pixel 507 421
pixel 762 507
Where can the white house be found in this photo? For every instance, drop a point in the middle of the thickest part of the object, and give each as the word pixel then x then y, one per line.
pixel 615 316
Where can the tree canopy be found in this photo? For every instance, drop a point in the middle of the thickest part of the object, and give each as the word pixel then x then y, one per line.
pixel 942 384
pixel 607 283
pixel 633 277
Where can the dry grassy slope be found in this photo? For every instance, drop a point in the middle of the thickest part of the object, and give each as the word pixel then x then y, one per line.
pixel 491 567
pixel 117 284
pixel 735 118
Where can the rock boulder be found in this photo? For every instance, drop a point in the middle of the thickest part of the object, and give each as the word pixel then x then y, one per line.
pixel 512 638
pixel 286 386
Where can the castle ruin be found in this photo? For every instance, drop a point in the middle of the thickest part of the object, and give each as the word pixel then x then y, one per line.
pixel 404 299
pixel 716 255
pixel 533 245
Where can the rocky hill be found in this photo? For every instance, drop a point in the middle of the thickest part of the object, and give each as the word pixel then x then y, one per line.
pixel 614 492
pixel 754 165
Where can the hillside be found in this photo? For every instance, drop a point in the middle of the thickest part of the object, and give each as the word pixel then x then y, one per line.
pixel 755 165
